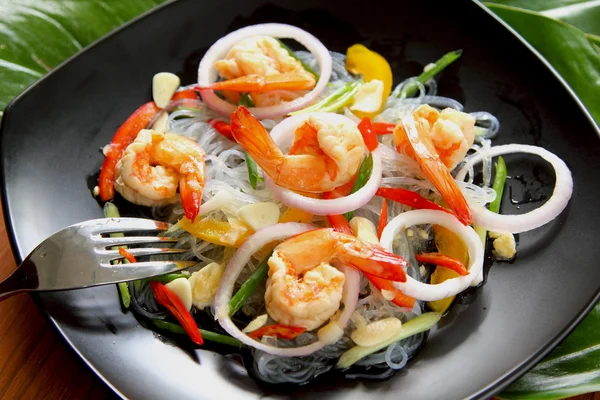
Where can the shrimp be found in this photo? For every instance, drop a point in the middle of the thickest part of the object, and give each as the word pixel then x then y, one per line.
pixel 438 141
pixel 323 156
pixel 305 290
pixel 155 165
pixel 259 64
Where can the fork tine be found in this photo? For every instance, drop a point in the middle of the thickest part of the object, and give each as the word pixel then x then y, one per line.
pixel 129 240
pixel 143 251
pixel 118 225
pixel 130 272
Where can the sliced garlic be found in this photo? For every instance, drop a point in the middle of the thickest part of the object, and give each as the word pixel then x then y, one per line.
pixel 204 284
pixel 256 323
pixel 216 202
pixel 369 97
pixel 330 333
pixel 162 123
pixel 164 85
pixel 259 215
pixel 388 294
pixel 376 332
pixel 358 319
pixel 183 290
pixel 364 229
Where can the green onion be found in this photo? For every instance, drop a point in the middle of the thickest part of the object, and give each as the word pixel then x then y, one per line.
pixel 364 173
pixel 252 170
pixel 111 211
pixel 304 65
pixel 124 292
pixel 438 67
pixel 209 336
pixel 498 185
pixel 416 325
pixel 334 101
pixel 246 100
pixel 248 287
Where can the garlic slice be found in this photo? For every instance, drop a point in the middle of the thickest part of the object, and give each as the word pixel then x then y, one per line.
pixel 259 215
pixel 376 332
pixel 256 323
pixel 183 290
pixel 164 85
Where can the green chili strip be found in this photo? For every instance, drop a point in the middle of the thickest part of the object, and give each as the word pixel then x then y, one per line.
pixel 252 170
pixel 334 101
pixel 364 173
pixel 209 336
pixel 437 67
pixel 111 211
pixel 498 185
pixel 304 65
pixel 246 100
pixel 248 287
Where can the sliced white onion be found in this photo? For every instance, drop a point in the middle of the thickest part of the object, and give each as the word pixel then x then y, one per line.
pixel 283 135
pixel 207 73
pixel 237 264
pixel 451 287
pixel 563 189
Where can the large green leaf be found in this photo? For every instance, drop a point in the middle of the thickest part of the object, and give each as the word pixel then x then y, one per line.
pixel 572 368
pixel 584 15
pixel 37 35
pixel 564 46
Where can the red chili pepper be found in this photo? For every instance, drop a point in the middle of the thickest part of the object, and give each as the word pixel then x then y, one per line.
pixel 166 298
pixel 400 299
pixel 369 137
pixel 383 128
pixel 222 127
pixel 382 219
pixel 409 198
pixel 340 223
pixel 281 331
pixel 124 136
pixel 130 257
pixel 443 261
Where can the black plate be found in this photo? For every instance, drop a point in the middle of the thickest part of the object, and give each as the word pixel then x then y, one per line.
pixel 50 148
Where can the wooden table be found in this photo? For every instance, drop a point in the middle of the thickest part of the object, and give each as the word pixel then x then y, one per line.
pixel 35 363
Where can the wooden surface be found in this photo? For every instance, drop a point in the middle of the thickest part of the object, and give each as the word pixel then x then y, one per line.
pixel 35 363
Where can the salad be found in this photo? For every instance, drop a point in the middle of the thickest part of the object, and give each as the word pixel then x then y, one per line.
pixel 335 217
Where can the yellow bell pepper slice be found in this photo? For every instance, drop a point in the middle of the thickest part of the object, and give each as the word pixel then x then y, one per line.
pixel 371 65
pixel 296 215
pixel 448 243
pixel 217 232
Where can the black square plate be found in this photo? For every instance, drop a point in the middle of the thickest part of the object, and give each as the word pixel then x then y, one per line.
pixel 51 136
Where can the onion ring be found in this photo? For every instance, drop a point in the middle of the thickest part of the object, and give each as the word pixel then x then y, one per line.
pixel 283 134
pixel 207 73
pixel 451 287
pixel 237 264
pixel 563 189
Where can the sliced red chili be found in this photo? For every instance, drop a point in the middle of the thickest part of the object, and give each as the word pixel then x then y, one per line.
pixel 280 331
pixel 383 128
pixel 222 127
pixel 340 223
pixel 382 219
pixel 400 299
pixel 166 298
pixel 443 260
pixel 409 198
pixel 366 130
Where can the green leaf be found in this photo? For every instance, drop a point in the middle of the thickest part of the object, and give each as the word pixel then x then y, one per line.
pixel 37 35
pixel 572 368
pixel 564 46
pixel 584 15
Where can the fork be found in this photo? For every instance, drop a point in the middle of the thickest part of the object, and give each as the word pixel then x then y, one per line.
pixel 82 255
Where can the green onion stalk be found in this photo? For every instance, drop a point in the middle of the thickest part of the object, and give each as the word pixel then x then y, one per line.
pixel 436 68
pixel 364 173
pixel 248 287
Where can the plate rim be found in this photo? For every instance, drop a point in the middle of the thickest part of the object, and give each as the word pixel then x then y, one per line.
pixel 493 387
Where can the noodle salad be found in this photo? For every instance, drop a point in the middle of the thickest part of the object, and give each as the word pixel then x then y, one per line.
pixel 334 217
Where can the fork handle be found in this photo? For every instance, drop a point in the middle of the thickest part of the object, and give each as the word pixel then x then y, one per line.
pixel 23 279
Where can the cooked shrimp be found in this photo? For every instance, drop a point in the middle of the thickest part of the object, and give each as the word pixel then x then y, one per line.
pixel 304 290
pixel 260 64
pixel 323 156
pixel 438 141
pixel 155 165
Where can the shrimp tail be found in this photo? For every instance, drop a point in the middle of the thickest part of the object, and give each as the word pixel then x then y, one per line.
pixel 375 260
pixel 441 178
pixel 190 192
pixel 255 139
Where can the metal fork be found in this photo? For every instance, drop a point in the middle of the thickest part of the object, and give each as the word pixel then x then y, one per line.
pixel 81 255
